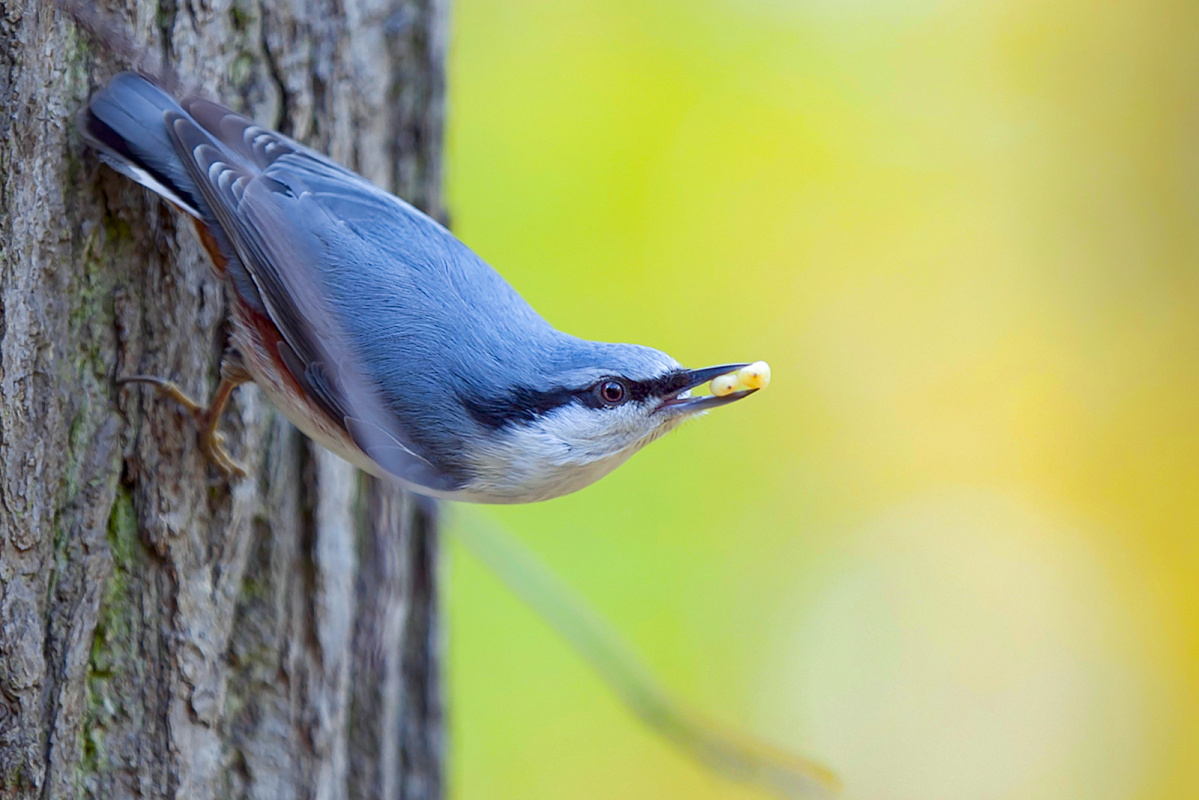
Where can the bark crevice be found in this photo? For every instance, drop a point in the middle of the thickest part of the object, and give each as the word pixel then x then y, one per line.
pixel 164 633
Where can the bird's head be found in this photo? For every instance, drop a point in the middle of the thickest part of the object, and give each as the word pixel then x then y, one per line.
pixel 580 416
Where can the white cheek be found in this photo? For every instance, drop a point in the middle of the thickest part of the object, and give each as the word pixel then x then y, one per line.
pixel 575 433
pixel 563 452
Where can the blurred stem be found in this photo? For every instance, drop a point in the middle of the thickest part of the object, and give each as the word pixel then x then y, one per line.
pixel 741 758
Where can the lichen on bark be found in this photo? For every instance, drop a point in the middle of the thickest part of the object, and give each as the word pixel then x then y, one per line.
pixel 163 633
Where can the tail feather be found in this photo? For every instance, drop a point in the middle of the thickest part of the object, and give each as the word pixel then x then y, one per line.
pixel 125 122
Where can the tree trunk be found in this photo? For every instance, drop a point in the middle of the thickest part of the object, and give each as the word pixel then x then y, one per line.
pixel 163 632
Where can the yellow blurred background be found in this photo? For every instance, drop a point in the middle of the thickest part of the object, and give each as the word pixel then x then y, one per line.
pixel 952 551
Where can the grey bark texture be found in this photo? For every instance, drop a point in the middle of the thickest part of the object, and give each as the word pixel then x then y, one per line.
pixel 163 632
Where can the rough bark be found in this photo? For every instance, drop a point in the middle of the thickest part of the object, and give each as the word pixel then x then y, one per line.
pixel 164 633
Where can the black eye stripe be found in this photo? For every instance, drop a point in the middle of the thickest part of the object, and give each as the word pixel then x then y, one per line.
pixel 662 386
pixel 524 405
pixel 519 405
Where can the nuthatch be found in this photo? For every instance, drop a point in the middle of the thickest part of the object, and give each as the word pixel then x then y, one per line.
pixel 375 330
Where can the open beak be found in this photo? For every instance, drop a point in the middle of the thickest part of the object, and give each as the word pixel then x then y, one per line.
pixel 698 377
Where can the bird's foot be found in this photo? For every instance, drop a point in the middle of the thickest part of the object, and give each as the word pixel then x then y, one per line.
pixel 212 441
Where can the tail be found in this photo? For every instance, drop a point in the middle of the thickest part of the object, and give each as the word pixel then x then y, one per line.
pixel 125 122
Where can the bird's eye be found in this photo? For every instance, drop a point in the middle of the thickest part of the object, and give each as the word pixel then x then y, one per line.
pixel 611 392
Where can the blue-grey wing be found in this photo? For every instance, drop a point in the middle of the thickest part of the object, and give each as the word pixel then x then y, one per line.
pixel 284 237
pixel 254 144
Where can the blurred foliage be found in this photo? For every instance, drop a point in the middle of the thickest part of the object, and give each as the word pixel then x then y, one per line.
pixel 952 551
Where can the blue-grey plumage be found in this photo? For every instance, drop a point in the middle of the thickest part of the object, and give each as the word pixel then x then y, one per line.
pixel 375 330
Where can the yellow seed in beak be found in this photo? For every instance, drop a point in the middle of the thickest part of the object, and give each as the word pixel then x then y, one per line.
pixel 755 376
pixel 723 385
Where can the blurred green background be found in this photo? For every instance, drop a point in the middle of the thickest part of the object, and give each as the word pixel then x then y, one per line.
pixel 952 550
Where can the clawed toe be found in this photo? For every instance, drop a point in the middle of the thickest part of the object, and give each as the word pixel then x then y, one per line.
pixel 213 446
pixel 212 441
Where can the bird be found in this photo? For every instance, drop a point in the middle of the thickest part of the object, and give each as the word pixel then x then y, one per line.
pixel 375 330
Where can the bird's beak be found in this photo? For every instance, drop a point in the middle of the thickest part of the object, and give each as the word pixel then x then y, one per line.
pixel 698 377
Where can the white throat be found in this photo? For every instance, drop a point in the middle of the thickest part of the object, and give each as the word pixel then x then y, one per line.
pixel 565 450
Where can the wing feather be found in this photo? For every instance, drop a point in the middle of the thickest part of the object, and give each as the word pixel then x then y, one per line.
pixel 280 232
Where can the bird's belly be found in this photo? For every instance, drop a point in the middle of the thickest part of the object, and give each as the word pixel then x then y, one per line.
pixel 516 475
pixel 257 342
